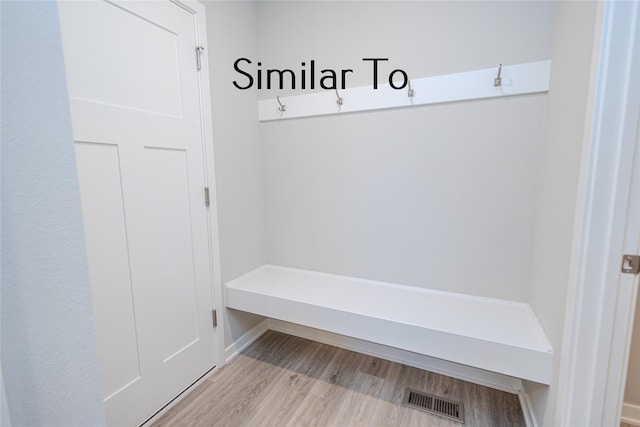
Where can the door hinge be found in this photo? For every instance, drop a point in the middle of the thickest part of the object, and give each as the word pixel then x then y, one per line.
pixel 199 50
pixel 214 317
pixel 207 199
pixel 631 264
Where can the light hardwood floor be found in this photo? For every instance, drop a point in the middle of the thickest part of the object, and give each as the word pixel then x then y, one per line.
pixel 281 380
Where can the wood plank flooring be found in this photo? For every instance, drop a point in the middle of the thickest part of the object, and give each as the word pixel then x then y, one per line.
pixel 282 380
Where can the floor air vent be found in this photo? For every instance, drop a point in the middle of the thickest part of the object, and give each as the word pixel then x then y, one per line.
pixel 434 405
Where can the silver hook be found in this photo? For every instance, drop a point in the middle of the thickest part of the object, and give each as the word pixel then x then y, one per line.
pixel 282 107
pixel 498 80
pixel 339 100
pixel 410 91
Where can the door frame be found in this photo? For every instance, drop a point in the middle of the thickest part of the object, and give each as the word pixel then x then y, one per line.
pixel 199 13
pixel 598 323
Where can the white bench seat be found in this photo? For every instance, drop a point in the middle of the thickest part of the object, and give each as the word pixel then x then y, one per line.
pixel 492 334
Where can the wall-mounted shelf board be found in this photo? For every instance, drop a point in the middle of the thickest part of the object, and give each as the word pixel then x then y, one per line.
pixel 492 334
pixel 520 79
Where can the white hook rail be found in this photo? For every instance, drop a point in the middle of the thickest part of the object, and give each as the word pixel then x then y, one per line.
pixel 520 79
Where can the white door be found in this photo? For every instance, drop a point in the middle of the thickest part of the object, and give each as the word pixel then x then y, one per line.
pixel 138 130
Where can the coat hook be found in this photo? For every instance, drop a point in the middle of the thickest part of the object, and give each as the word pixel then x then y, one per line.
pixel 282 107
pixel 410 91
pixel 498 80
pixel 339 100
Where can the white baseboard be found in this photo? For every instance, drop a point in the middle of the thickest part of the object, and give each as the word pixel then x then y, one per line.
pixel 443 367
pixel 527 410
pixel 462 372
pixel 631 414
pixel 245 340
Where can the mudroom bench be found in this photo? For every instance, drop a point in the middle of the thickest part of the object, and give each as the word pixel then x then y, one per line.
pixel 492 334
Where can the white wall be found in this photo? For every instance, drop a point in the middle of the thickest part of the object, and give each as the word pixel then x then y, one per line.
pixel 573 41
pixel 423 38
pixel 476 197
pixel 231 30
pixel 49 358
pixel 5 421
pixel 441 196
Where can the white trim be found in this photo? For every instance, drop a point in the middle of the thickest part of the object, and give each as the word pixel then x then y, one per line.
pixel 246 340
pixel 528 413
pixel 438 366
pixel 443 367
pixel 597 317
pixel 204 76
pixel 568 353
pixel 631 414
pixel 520 79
